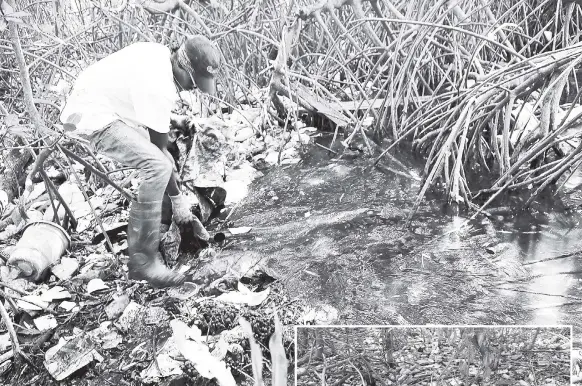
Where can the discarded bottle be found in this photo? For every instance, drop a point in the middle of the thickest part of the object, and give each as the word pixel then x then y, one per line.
pixel 41 246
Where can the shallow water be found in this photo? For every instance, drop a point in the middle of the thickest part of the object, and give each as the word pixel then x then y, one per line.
pixel 332 231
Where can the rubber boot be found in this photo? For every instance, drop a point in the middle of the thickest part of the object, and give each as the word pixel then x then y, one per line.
pixel 143 238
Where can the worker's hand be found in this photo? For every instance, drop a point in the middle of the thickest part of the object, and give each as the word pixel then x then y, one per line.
pixel 183 123
pixel 183 215
pixel 181 209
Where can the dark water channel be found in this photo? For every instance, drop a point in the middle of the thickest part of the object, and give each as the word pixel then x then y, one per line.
pixel 333 233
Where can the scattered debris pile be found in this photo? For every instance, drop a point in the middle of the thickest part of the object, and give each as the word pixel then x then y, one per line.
pixel 78 316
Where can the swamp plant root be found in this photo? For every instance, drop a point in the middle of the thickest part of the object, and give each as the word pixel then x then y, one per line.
pixel 477 87
pixel 426 61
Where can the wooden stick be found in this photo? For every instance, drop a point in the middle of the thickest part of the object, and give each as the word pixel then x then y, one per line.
pixel 326 148
pixel 97 217
pixel 18 291
pixel 39 162
pixel 98 173
pixel 60 198
pixel 6 356
pixel 35 117
pixel 34 303
pixel 10 327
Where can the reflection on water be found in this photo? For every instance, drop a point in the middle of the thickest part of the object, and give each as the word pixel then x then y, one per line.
pixel 548 248
pixel 453 232
pixel 549 244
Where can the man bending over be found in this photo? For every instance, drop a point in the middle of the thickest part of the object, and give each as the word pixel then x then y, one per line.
pixel 135 87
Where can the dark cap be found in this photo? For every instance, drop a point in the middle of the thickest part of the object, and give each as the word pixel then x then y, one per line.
pixel 205 61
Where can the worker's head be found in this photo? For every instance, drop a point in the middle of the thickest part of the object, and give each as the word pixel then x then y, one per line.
pixel 195 63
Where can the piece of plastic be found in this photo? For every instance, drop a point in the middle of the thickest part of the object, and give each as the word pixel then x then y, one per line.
pixel 41 246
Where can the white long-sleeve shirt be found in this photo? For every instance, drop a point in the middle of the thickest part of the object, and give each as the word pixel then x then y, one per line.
pixel 134 84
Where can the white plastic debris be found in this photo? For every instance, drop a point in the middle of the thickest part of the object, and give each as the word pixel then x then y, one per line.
pixel 55 293
pixel 525 121
pixel 120 247
pixel 245 116
pixel 239 230
pixel 369 121
pixel 130 314
pixel 106 336
pixel 164 366
pixel 70 356
pixel 50 353
pixel 67 306
pixel 272 157
pixel 66 268
pixel 243 134
pixel 31 304
pixel 45 322
pixel 548 35
pixel 167 365
pixel 197 352
pixel 244 296
pixel 117 306
pixel 5 342
pixel 36 192
pixel 236 190
pixel 72 195
pixel 33 215
pixel 220 348
pixel 325 314
pixel 96 285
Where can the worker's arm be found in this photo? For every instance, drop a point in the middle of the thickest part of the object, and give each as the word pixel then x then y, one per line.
pixel 153 102
pixel 161 142
pixel 180 204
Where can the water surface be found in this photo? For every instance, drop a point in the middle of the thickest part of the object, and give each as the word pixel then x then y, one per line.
pixel 333 231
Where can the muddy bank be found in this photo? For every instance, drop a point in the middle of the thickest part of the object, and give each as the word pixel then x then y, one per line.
pixel 331 231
